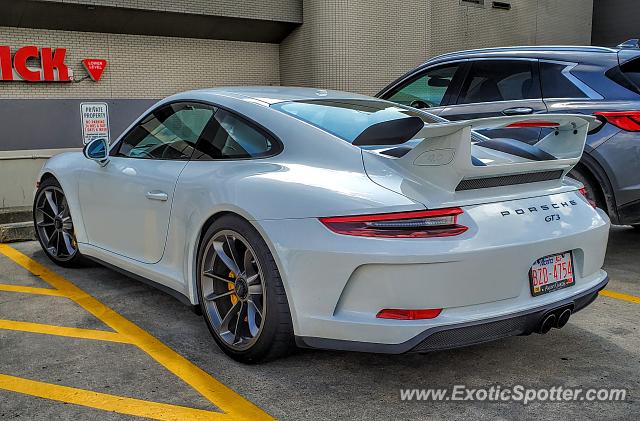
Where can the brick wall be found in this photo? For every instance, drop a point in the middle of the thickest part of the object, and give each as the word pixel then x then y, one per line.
pixel 465 27
pixel 360 45
pixel 281 10
pixel 144 66
pixel 355 44
pixel 565 22
pixel 527 23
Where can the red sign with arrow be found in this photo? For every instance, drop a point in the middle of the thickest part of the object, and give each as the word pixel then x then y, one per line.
pixel 95 67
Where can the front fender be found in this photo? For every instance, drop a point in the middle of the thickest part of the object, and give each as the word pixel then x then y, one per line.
pixel 67 169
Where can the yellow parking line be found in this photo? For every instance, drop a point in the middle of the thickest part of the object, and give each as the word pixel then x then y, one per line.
pixel 120 404
pixel 620 296
pixel 72 332
pixel 31 290
pixel 217 393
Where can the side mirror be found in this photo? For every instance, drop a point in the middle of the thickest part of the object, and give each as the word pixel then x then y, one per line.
pixel 97 150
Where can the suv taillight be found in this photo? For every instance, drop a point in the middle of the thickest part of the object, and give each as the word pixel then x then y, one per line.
pixel 414 224
pixel 625 120
pixel 583 192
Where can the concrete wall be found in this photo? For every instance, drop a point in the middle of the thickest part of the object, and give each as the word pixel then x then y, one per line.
pixel 360 45
pixel 284 10
pixel 18 173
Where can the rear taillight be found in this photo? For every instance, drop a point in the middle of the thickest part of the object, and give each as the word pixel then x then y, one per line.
pixel 398 314
pixel 415 224
pixel 625 120
pixel 584 192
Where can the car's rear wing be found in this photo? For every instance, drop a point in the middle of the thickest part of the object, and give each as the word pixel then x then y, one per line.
pixel 444 158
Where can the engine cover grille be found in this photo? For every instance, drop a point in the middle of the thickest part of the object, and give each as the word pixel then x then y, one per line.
pixel 508 180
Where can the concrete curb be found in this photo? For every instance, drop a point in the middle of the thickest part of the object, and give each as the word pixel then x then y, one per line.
pixel 17 231
pixel 16 214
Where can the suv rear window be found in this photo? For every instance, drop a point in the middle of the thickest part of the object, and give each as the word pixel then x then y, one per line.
pixel 347 118
pixel 627 75
pixel 631 69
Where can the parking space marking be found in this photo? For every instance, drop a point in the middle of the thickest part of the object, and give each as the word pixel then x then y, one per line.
pixel 72 332
pixel 31 290
pixel 620 296
pixel 230 402
pixel 105 402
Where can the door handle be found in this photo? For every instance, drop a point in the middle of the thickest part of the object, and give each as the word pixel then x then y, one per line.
pixel 518 111
pixel 157 195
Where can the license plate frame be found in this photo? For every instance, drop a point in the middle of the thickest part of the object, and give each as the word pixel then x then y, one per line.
pixel 536 271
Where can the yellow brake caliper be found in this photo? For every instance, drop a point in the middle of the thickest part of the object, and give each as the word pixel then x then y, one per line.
pixel 234 297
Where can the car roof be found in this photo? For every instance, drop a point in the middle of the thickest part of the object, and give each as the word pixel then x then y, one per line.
pixel 267 95
pixel 572 52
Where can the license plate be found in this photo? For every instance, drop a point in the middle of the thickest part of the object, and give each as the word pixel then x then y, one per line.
pixel 551 273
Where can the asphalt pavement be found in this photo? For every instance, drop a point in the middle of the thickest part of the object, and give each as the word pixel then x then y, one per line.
pixel 93 344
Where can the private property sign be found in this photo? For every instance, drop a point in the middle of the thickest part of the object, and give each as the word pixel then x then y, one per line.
pixel 33 64
pixel 95 121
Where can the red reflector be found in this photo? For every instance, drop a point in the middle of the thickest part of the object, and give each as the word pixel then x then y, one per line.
pixel 408 314
pixel 625 120
pixel 525 124
pixel 414 224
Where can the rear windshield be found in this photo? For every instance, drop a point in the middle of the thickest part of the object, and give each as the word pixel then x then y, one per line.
pixel 627 75
pixel 347 118
pixel 631 69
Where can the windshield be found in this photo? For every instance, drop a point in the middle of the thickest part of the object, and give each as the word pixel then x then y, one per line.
pixel 347 118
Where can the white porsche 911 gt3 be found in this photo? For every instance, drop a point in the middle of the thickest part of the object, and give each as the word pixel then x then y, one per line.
pixel 294 216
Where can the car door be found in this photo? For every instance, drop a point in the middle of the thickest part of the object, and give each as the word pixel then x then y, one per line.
pixel 498 87
pixel 126 204
pixel 431 88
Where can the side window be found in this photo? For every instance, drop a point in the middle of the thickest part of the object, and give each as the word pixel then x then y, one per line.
pixel 170 132
pixel 426 90
pixel 231 137
pixel 500 80
pixel 555 84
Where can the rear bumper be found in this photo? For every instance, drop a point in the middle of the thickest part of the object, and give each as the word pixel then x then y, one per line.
pixel 336 284
pixel 462 334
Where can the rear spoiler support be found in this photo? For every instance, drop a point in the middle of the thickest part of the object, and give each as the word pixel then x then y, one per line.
pixel 443 159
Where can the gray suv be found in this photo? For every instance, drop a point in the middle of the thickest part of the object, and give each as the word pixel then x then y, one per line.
pixel 604 82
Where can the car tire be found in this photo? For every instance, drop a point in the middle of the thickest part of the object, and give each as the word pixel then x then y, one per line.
pixel 593 192
pixel 250 337
pixel 54 226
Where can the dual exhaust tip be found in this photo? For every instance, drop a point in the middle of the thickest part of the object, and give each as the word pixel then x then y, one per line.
pixel 557 318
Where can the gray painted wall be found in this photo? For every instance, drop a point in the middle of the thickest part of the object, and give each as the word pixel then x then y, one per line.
pixel 27 124
pixel 615 21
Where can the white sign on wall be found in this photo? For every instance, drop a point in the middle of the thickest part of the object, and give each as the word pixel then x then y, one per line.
pixel 95 121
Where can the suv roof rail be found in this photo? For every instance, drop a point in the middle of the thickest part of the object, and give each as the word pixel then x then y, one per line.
pixel 631 43
pixel 568 48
